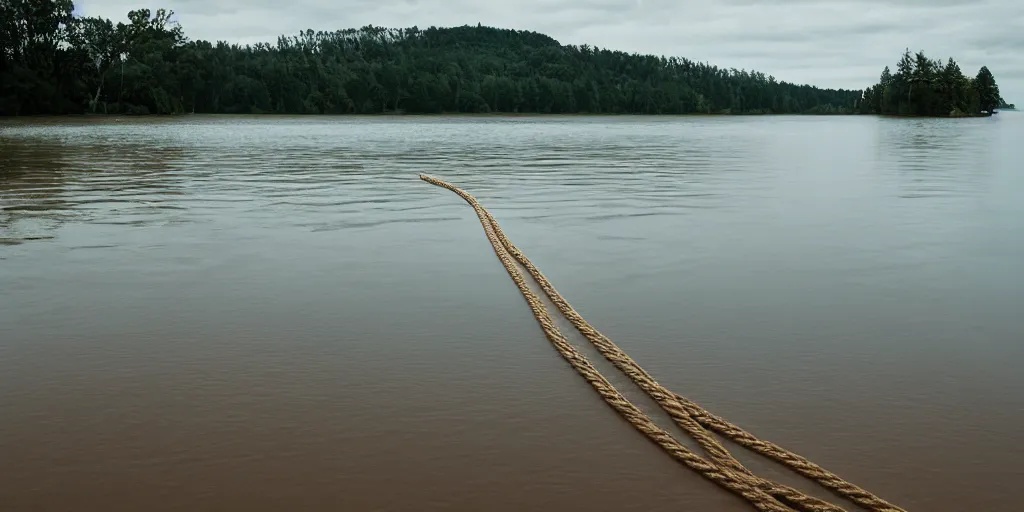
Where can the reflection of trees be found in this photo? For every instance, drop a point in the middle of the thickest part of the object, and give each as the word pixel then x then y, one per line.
pixel 933 157
pixel 32 203
pixel 71 172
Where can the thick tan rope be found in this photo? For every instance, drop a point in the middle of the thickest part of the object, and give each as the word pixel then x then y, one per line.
pixel 737 483
pixel 685 411
pixel 688 415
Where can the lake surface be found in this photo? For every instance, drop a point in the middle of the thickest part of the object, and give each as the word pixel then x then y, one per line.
pixel 264 314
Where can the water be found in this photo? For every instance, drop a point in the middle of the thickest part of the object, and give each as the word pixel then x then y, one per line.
pixel 258 313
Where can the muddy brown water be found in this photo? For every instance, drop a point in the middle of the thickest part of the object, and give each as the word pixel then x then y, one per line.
pixel 263 313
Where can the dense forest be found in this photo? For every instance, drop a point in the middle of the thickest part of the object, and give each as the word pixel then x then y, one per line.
pixel 53 62
pixel 925 87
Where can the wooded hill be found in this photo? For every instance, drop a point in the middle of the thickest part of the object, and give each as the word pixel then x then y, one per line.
pixel 52 62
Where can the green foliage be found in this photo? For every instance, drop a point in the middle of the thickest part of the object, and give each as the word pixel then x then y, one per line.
pixel 54 63
pixel 988 91
pixel 923 87
pixel 37 68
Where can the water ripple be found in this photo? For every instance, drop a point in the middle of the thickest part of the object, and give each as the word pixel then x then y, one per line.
pixel 140 173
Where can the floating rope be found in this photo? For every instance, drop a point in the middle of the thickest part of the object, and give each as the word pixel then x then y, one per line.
pixel 723 469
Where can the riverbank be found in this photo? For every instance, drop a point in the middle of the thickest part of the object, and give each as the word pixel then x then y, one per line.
pixel 482 115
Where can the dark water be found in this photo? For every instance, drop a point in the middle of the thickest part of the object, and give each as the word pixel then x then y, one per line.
pixel 276 314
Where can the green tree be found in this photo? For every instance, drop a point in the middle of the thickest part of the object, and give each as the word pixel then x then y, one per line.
pixel 103 45
pixel 36 66
pixel 54 63
pixel 988 91
pixel 926 87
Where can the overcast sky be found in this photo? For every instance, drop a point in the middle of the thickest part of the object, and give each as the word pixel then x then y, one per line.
pixel 828 43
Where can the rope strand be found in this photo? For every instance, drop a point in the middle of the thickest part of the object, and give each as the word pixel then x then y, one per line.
pixel 723 468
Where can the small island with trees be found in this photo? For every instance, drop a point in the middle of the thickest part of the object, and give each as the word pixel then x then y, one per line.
pixel 925 87
pixel 53 62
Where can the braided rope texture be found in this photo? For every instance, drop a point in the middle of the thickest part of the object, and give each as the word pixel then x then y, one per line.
pixel 722 468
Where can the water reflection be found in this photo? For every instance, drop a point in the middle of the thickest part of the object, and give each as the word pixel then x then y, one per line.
pixel 52 177
pixel 32 199
pixel 937 158
pixel 264 313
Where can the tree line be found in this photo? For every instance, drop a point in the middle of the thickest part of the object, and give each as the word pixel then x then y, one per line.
pixel 53 62
pixel 925 87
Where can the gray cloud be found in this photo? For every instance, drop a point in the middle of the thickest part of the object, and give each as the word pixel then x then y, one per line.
pixel 830 43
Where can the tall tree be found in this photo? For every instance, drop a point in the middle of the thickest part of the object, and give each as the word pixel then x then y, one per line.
pixel 54 63
pixel 37 64
pixel 926 87
pixel 103 44
pixel 988 91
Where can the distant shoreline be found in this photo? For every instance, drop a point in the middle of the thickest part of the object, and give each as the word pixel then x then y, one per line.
pixel 98 116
